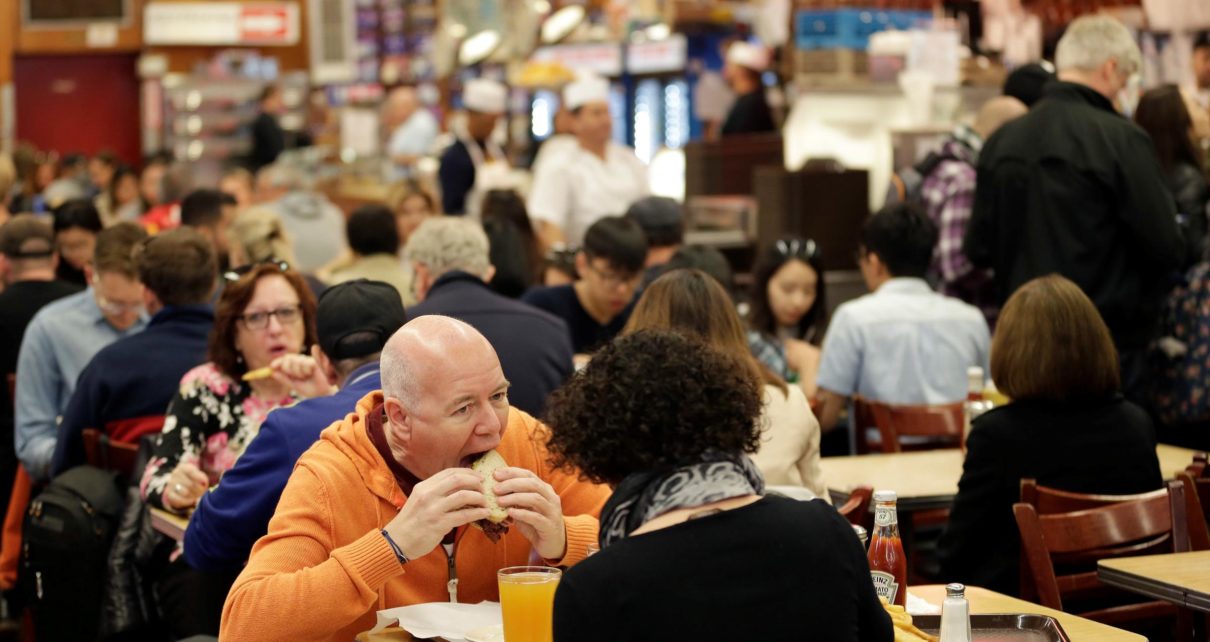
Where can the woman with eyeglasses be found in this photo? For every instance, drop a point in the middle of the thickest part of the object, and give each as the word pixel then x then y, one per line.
pixel 265 319
pixel 694 304
pixel 788 311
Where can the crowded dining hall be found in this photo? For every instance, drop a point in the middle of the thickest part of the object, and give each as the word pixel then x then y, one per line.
pixel 605 320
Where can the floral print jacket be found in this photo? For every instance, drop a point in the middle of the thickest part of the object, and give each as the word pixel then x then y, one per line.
pixel 210 421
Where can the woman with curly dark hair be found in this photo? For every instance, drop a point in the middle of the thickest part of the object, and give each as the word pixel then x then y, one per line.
pixel 689 546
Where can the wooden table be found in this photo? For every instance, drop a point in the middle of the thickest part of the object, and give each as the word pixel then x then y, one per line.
pixel 1180 578
pixel 169 524
pixel 929 479
pixel 985 601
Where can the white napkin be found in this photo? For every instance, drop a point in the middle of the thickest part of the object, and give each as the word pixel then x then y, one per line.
pixel 921 606
pixel 442 619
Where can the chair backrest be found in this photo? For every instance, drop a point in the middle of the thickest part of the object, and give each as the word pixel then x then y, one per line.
pixel 903 427
pixel 1137 525
pixel 1197 509
pixel 1199 467
pixel 856 508
pixel 104 453
pixel 1052 500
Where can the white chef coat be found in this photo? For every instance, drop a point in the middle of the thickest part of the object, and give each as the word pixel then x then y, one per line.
pixel 582 189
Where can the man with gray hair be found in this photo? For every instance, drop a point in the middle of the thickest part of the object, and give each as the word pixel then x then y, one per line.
pixel 315 225
pixel 450 256
pixel 1074 188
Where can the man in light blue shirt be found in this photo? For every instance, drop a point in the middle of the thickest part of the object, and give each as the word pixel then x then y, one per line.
pixel 63 337
pixel 413 129
pixel 903 343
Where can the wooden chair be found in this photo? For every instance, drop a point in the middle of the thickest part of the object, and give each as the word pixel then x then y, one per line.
pixel 102 452
pixel 907 427
pixel 1197 510
pixel 856 508
pixel 1064 534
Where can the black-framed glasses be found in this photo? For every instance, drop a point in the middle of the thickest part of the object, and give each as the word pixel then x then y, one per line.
pixel 798 248
pixel 260 320
pixel 235 274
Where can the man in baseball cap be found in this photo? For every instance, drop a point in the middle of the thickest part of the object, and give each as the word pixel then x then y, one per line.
pixel 354 320
pixel 27 270
pixel 484 101
pixel 750 114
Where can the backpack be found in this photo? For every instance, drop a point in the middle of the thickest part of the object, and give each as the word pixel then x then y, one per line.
pixel 68 531
pixel 908 183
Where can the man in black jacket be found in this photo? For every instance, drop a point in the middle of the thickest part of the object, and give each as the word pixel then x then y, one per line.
pixel 1074 188
pixel 450 257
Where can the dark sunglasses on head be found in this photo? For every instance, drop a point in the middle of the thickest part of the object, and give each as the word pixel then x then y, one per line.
pixel 235 274
pixel 798 248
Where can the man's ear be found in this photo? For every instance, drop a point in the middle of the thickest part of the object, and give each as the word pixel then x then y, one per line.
pixel 88 272
pixel 421 280
pixel 489 273
pixel 398 416
pixel 325 364
pixel 581 263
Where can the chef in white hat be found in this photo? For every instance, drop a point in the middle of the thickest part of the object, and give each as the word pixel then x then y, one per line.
pixel 750 114
pixel 474 152
pixel 597 179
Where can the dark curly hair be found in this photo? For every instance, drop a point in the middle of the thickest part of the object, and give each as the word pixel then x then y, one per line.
pixel 652 401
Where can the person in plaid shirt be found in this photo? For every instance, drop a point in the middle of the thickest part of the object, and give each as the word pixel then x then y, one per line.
pixel 948 195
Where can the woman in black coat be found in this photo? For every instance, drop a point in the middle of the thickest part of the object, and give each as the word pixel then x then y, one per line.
pixel 1068 427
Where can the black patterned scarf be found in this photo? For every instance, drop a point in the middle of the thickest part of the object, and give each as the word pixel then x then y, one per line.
pixel 642 497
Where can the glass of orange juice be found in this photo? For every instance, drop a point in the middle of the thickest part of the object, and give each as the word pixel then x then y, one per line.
pixel 527 598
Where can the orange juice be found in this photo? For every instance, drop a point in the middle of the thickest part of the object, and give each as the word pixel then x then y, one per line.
pixel 527 599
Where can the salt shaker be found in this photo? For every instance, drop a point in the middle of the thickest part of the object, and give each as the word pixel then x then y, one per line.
pixel 955 615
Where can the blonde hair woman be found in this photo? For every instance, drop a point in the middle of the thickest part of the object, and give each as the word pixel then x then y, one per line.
pixel 259 236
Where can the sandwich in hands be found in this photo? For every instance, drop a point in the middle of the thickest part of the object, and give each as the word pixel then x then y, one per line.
pixel 496 524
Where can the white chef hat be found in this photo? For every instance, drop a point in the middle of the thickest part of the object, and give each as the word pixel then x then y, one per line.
pixel 586 89
pixel 485 96
pixel 748 55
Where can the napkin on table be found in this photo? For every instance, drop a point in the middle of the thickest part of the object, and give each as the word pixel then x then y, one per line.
pixel 447 620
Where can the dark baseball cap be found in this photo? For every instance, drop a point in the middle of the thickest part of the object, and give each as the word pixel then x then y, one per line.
pixel 661 220
pixel 26 236
pixel 355 318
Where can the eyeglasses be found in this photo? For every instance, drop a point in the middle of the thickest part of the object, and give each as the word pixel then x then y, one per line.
pixel 798 248
pixel 235 274
pixel 114 308
pixel 611 279
pixel 260 320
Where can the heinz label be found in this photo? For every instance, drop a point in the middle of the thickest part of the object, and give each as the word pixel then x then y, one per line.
pixel 884 516
pixel 885 585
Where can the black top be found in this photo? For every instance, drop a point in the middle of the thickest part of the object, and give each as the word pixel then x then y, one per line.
pixel 18 304
pixel 586 334
pixel 457 176
pixel 749 115
pixel 533 346
pixel 1074 188
pixel 1189 188
pixel 776 570
pixel 1102 446
pixel 268 140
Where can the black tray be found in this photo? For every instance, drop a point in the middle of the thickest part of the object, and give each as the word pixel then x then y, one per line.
pixel 1003 627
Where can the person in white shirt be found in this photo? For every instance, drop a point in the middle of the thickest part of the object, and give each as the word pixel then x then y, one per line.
pixel 413 128
pixel 474 159
pixel 903 343
pixel 599 179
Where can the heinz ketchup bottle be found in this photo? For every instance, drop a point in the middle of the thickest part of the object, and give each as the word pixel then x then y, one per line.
pixel 888 566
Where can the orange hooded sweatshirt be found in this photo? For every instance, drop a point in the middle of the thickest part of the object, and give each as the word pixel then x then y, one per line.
pixel 324 569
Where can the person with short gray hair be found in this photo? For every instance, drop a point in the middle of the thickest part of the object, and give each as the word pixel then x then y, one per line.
pixel 315 225
pixel 450 257
pixel 1072 188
